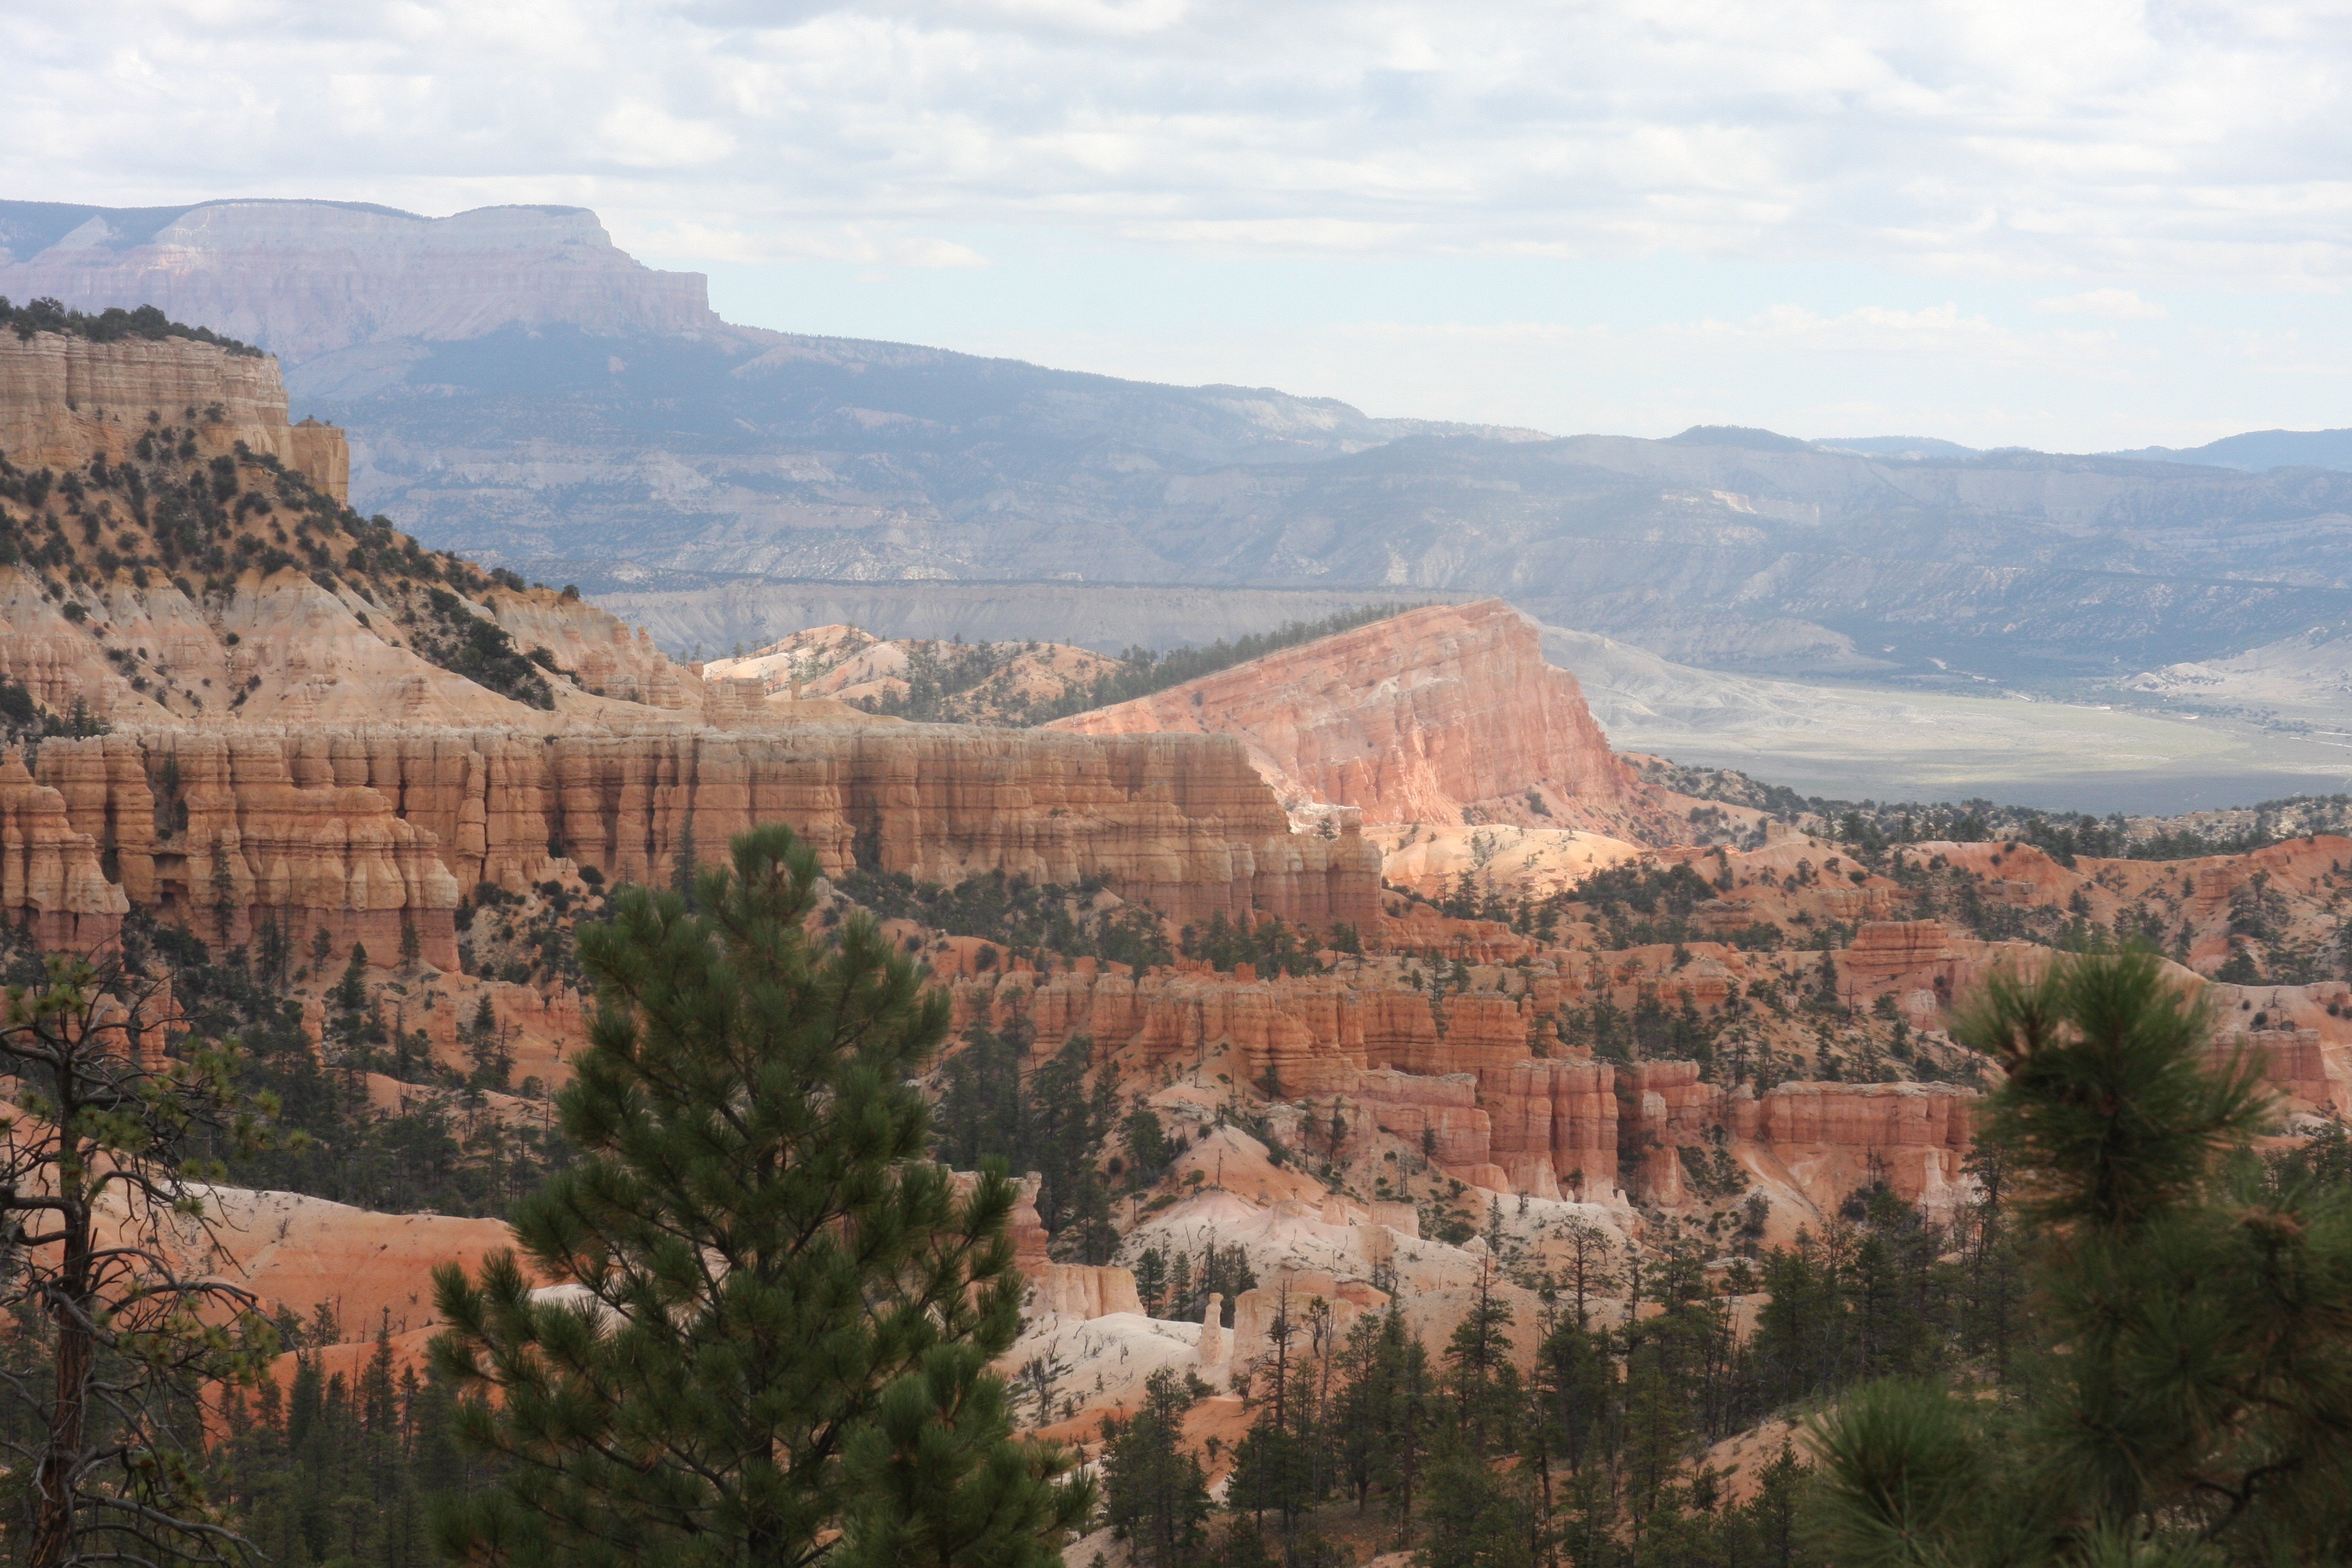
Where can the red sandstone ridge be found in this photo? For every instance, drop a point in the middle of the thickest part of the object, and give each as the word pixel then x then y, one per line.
pixel 1413 719
pixel 362 831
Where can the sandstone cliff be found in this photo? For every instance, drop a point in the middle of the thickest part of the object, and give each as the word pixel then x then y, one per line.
pixel 65 399
pixel 52 880
pixel 1479 1082
pixel 361 830
pixel 1413 719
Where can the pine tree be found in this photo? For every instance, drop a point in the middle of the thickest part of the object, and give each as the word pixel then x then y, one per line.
pixel 1156 1498
pixel 1480 1377
pixel 2187 1394
pixel 1273 1464
pixel 111 1335
pixel 1477 1519
pixel 1405 1423
pixel 1051 1123
pixel 781 1315
pixel 350 994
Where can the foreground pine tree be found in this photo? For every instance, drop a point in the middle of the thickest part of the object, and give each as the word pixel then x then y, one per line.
pixel 2187 1397
pixel 773 1342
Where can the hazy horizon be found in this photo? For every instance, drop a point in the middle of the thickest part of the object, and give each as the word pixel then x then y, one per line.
pixel 1998 225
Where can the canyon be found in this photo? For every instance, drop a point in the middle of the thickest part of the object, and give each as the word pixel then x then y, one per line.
pixel 1429 986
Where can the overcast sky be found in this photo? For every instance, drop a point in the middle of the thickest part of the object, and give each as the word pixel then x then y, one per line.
pixel 2073 226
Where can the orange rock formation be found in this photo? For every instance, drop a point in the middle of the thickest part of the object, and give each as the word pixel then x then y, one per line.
pixel 1411 719
pixel 363 830
pixel 1476 1098
pixel 51 878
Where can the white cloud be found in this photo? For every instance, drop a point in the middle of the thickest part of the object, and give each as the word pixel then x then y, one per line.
pixel 1978 137
pixel 2115 304
pixel 645 136
pixel 2058 173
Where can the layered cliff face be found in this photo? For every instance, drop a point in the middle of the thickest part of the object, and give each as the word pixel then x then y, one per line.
pixel 65 399
pixel 1417 718
pixel 1480 1083
pixel 361 831
pixel 52 880
pixel 305 278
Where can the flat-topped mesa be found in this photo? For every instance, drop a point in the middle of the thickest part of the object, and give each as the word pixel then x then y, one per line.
pixel 361 830
pixel 64 399
pixel 1411 719
pixel 304 278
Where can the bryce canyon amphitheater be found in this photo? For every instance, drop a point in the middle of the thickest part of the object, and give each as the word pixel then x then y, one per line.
pixel 295 721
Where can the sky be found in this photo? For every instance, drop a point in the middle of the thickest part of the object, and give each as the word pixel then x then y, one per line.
pixel 2069 225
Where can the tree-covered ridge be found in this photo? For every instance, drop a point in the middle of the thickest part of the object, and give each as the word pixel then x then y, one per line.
pixel 1038 922
pixel 110 326
pixel 168 514
pixel 1873 824
pixel 959 682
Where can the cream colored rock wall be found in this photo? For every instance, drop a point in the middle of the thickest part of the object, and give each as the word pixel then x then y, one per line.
pixel 63 398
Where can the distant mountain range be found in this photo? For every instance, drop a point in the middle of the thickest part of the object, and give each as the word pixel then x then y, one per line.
pixel 303 279
pixel 517 388
pixel 2258 451
pixel 2255 452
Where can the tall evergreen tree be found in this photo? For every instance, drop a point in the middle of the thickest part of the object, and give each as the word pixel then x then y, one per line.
pixel 1051 1123
pixel 1157 1499
pixel 2187 1395
pixel 772 1344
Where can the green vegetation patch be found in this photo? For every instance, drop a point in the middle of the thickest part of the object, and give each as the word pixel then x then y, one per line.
pixel 1027 918
pixel 110 326
pixel 465 642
